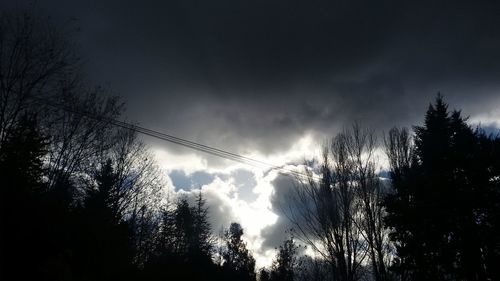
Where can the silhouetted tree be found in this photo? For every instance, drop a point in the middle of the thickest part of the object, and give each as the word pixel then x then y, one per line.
pixel 66 212
pixel 238 263
pixel 138 189
pixel 437 209
pixel 40 72
pixel 486 212
pixel 203 239
pixel 22 215
pixel 35 59
pixel 361 145
pixel 21 158
pixel 314 269
pixel 340 215
pixel 184 243
pixel 286 262
pixel 82 135
pixel 103 246
pixel 400 211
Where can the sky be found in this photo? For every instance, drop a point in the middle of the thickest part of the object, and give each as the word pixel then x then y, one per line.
pixel 273 80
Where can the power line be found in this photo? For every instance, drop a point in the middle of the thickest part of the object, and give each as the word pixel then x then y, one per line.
pixel 179 141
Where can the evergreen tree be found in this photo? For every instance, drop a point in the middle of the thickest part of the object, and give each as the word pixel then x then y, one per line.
pixel 103 244
pixel 185 243
pixel 192 230
pixel 21 160
pixel 203 240
pixel 22 215
pixel 286 262
pixel 436 211
pixel 238 261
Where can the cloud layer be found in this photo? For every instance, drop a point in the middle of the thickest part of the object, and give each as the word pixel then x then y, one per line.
pixel 258 75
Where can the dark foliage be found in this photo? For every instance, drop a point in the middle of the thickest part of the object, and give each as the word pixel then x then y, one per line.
pixel 238 262
pixel 21 208
pixel 444 209
pixel 184 244
pixel 286 262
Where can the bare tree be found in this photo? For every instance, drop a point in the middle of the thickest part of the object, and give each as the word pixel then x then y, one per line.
pixel 40 73
pixel 362 144
pixel 138 190
pixel 340 216
pixel 139 179
pixel 399 149
pixel 81 133
pixel 35 61
pixel 323 215
pixel 313 269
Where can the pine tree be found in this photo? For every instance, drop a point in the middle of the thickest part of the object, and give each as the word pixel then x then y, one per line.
pixel 21 158
pixel 435 208
pixel 238 261
pixel 286 262
pixel 185 243
pixel 23 242
pixel 203 241
pixel 103 245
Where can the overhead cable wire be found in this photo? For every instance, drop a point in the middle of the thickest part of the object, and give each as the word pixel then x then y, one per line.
pixel 179 141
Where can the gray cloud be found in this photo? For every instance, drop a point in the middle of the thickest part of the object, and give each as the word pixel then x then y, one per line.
pixel 220 211
pixel 244 181
pixel 258 74
pixel 282 201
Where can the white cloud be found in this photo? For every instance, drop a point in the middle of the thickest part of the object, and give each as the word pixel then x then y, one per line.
pixel 189 162
pixel 241 193
pixel 225 206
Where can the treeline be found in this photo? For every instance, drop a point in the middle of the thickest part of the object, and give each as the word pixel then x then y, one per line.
pixel 444 207
pixel 434 217
pixel 82 199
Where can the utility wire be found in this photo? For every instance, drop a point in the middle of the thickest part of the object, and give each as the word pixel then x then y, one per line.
pixel 179 141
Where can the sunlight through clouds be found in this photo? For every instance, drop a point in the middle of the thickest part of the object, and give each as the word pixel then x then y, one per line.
pixel 239 192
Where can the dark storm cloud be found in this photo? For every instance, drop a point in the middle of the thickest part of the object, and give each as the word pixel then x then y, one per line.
pixel 284 204
pixel 258 74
